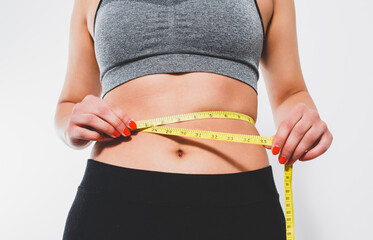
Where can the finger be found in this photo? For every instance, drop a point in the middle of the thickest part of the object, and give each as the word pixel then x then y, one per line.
pixel 290 162
pixel 126 119
pixel 320 148
pixel 284 130
pixel 96 123
pixel 308 141
pixel 83 133
pixel 103 111
pixel 294 138
pixel 313 145
pixel 320 129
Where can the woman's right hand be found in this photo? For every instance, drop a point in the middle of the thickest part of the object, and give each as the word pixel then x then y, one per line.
pixel 93 118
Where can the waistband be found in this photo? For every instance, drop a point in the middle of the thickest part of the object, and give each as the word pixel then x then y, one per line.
pixel 187 189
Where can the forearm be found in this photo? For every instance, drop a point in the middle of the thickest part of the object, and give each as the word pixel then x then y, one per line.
pixel 281 111
pixel 61 121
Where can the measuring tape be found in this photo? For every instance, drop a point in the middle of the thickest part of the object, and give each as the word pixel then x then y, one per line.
pixel 152 125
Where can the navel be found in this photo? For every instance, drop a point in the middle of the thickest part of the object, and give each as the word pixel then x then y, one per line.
pixel 180 153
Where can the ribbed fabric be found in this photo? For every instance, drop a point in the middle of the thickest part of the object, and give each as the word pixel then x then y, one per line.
pixel 134 38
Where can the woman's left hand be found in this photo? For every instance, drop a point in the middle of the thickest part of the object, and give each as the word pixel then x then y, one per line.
pixel 302 135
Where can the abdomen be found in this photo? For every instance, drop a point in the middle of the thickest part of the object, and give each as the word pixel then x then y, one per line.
pixel 160 95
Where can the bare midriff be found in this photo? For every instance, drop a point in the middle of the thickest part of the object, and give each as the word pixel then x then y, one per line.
pixel 159 95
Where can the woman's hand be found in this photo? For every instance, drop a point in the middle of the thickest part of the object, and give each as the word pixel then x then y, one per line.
pixel 302 135
pixel 93 118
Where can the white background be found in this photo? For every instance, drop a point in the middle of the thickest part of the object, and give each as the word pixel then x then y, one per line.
pixel 333 194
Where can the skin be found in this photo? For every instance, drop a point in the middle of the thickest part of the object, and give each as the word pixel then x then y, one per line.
pixel 82 117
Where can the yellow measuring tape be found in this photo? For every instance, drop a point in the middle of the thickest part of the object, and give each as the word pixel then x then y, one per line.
pixel 152 125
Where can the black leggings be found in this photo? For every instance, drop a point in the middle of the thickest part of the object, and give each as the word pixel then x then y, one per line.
pixel 115 202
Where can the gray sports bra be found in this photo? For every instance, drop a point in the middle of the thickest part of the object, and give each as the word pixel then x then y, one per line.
pixel 134 38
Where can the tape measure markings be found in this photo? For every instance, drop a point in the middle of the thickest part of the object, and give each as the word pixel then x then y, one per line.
pixel 212 135
pixel 192 116
pixel 289 210
pixel 150 126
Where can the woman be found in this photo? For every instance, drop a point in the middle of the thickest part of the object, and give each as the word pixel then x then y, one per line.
pixel 149 59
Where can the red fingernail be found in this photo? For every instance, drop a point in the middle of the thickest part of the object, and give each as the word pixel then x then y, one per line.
pixel 132 124
pixel 116 133
pixel 275 150
pixel 126 132
pixel 282 159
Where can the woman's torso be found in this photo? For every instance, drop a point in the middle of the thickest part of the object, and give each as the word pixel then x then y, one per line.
pixel 160 95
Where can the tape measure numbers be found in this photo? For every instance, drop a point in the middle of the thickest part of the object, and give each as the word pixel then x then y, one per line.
pixel 152 125
pixel 289 209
